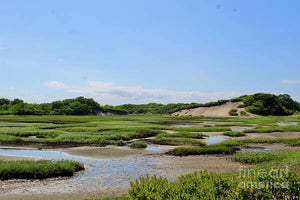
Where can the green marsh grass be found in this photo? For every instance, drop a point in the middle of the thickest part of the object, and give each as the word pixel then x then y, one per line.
pixel 104 130
pixel 256 157
pixel 240 142
pixel 234 133
pixel 209 149
pixel 138 145
pixel 182 135
pixel 38 169
pixel 183 140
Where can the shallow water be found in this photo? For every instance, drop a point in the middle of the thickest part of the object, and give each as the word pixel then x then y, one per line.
pixel 215 139
pixel 98 171
pixel 185 125
pixel 257 150
pixel 282 123
pixel 150 147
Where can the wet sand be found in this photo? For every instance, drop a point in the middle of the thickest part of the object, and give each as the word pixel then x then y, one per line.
pixel 14 158
pixel 287 135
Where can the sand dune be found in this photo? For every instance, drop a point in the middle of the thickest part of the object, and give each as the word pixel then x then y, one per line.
pixel 213 111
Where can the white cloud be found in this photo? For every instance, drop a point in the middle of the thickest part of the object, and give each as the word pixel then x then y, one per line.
pixel 291 81
pixel 56 84
pixel 109 93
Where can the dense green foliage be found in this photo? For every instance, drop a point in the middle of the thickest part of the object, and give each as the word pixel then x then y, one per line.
pixel 270 104
pixel 233 112
pixel 77 106
pixel 243 113
pixel 209 185
pixel 38 169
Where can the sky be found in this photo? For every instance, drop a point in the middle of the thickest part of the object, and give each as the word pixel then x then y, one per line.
pixel 142 51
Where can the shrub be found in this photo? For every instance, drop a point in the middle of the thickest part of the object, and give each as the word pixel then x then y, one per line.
pixel 203 185
pixel 242 106
pixel 243 113
pixel 138 145
pixel 210 185
pixel 233 112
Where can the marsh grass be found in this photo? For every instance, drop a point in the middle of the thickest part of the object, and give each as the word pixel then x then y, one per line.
pixel 38 169
pixel 256 157
pixel 234 133
pixel 209 149
pixel 240 142
pixel 183 135
pixel 138 145
pixel 115 130
pixel 200 129
pixel 183 140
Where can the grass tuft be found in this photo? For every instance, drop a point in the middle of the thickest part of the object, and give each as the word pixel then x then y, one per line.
pixel 234 134
pixel 138 145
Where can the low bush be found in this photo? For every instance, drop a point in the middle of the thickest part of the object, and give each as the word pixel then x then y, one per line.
pixel 233 112
pixel 242 106
pixel 243 113
pixel 209 185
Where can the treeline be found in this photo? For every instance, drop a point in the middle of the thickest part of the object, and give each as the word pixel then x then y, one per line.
pixel 270 104
pixel 156 108
pixel 77 106
pixel 260 104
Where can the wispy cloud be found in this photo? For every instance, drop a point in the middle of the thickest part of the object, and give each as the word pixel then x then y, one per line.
pixel 291 81
pixel 114 94
pixel 56 84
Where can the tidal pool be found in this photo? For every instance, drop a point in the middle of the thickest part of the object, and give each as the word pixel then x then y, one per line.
pixel 215 139
pixel 282 123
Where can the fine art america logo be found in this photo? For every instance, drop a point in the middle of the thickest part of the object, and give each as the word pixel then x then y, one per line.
pixel 273 181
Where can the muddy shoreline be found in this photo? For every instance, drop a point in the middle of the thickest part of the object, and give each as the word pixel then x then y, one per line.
pixel 115 183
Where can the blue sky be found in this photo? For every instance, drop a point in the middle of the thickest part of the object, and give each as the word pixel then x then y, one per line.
pixel 141 51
